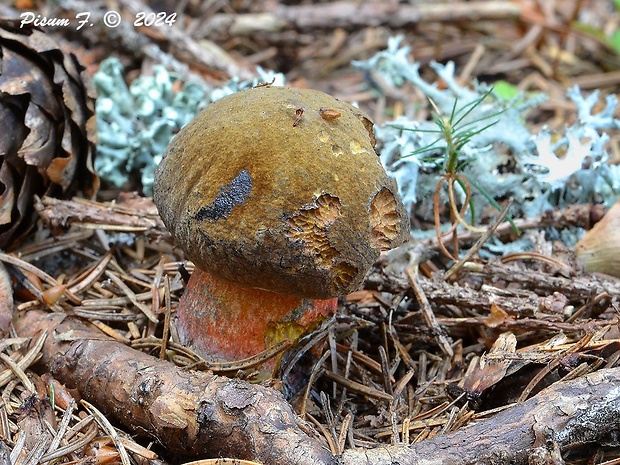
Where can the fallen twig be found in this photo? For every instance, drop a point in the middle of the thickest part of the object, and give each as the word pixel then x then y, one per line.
pixel 350 14
pixel 427 311
pixel 479 243
pixel 201 415
pixel 194 414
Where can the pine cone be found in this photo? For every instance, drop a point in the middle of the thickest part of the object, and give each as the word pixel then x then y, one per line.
pixel 48 132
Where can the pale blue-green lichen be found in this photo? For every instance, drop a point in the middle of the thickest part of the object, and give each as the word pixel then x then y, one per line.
pixel 507 159
pixel 135 123
pixel 540 171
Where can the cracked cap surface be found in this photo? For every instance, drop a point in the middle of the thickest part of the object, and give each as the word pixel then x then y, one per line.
pixel 280 189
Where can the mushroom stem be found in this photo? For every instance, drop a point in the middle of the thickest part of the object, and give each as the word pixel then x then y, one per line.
pixel 223 321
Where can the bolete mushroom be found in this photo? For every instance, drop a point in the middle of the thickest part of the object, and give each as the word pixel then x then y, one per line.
pixel 279 198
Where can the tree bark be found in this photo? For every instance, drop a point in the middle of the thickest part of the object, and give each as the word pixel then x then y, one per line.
pixel 352 14
pixel 196 414
pixel 193 414
pixel 564 416
pixel 360 14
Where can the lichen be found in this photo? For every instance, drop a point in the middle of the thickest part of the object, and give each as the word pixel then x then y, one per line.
pixel 137 122
pixel 540 170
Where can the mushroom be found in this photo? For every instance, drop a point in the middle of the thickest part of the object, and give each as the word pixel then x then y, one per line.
pixel 599 249
pixel 279 199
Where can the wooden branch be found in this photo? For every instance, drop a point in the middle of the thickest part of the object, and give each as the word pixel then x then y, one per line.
pixel 516 302
pixel 145 42
pixel 193 414
pixel 139 216
pixel 202 415
pixel 574 287
pixel 352 14
pixel 210 55
pixel 524 302
pixel 580 215
pixel 562 416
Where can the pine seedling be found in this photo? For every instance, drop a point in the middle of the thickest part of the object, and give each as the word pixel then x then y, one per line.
pixel 454 131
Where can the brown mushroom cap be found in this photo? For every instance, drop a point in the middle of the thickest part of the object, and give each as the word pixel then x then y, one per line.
pixel 280 189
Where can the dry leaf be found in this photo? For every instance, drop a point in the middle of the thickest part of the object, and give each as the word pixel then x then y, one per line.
pixel 492 367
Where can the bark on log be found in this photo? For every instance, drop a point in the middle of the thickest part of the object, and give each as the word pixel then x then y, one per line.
pixel 202 415
pixel 351 14
pixel 524 301
pixel 561 417
pixel 193 414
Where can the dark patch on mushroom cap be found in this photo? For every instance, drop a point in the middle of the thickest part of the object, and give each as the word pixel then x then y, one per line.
pixel 236 192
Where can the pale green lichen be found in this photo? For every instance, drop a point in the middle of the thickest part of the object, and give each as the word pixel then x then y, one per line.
pixel 539 170
pixel 137 122
pixel 506 159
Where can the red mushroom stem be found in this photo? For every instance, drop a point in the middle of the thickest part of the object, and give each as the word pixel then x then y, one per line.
pixel 223 321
